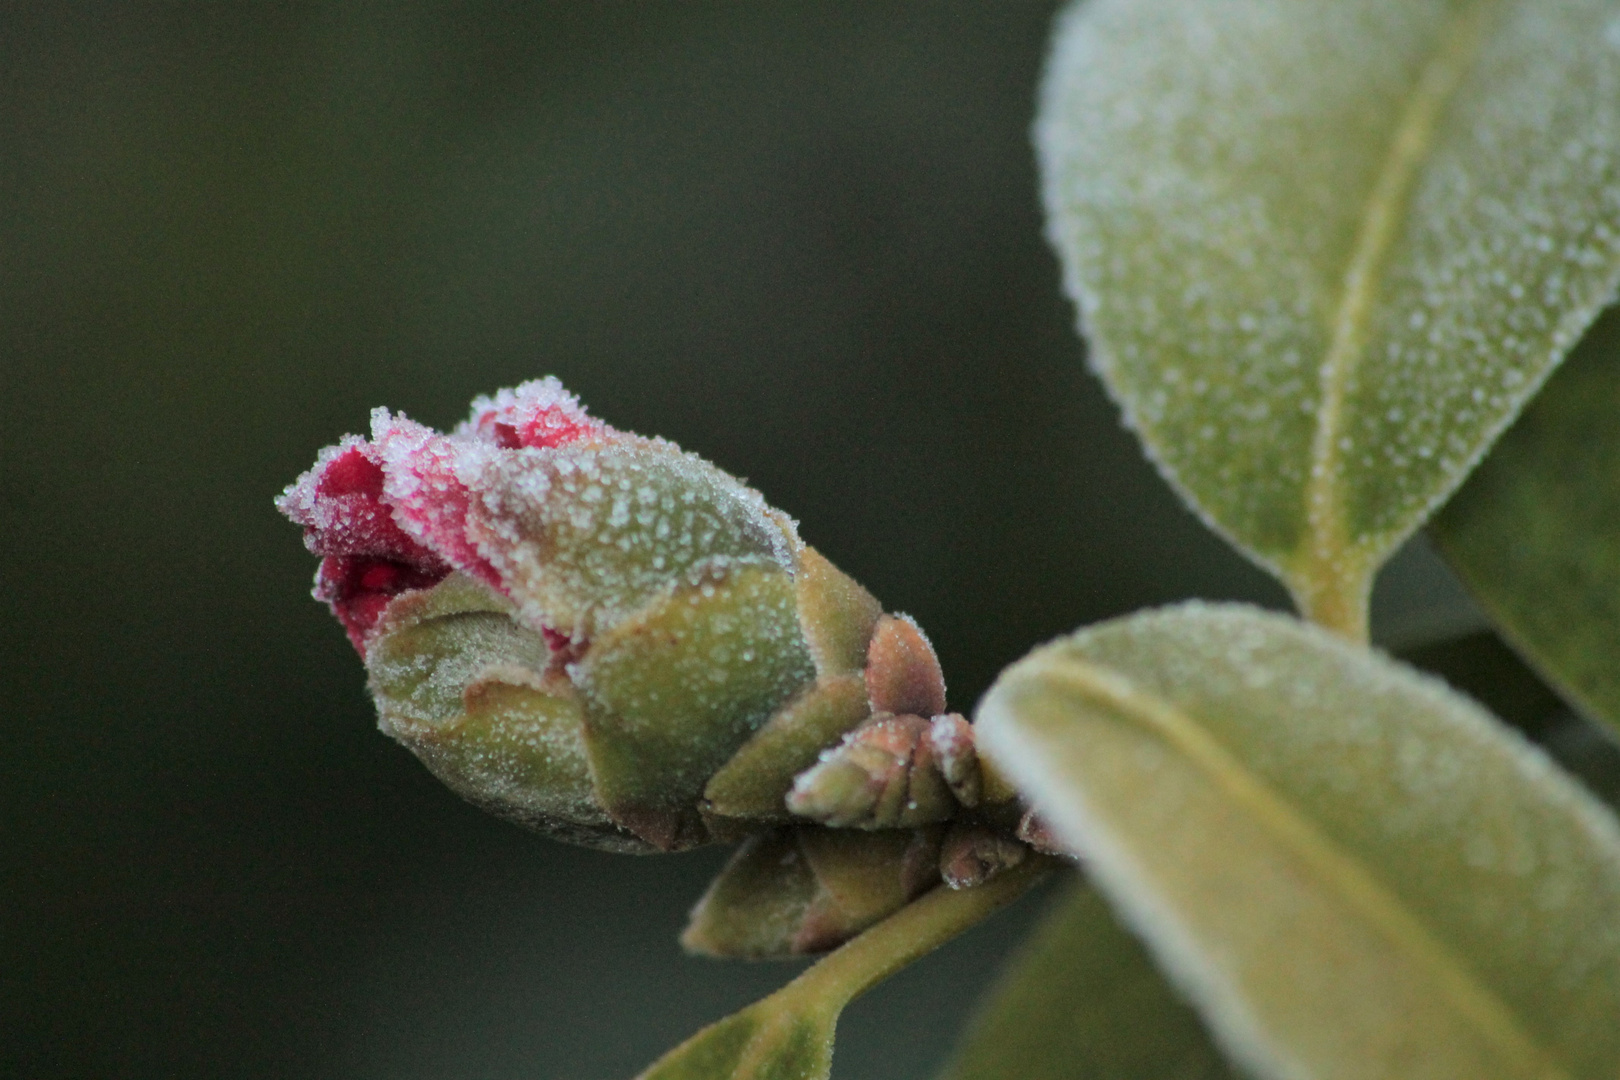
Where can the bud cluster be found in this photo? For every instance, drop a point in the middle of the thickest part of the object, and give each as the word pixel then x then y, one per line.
pixel 613 641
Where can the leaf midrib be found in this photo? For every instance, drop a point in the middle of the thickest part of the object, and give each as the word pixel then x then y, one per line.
pixel 1329 541
pixel 1352 881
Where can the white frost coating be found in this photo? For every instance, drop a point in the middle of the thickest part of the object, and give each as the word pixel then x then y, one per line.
pixel 1208 171
pixel 1497 855
pixel 581 534
pixel 545 396
pixel 584 535
pixel 529 763
pixel 334 517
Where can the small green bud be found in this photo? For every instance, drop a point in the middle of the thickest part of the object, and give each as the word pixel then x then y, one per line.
pixel 881 777
pixel 911 763
pixel 800 891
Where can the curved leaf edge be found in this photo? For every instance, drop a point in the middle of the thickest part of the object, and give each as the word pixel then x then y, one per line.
pixel 1233 1029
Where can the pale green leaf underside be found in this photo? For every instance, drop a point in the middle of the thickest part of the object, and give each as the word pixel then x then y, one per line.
pixel 1351 870
pixel 1535 532
pixel 1082 1001
pixel 1324 250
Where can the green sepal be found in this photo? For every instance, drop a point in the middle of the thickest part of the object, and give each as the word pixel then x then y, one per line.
pixel 585 536
pixel 836 613
pixel 459 683
pixel 754 784
pixel 431 644
pixel 754 908
pixel 519 752
pixel 673 691
pixel 863 877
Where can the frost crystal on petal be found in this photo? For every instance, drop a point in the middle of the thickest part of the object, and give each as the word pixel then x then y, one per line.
pixel 539 413
pixel 579 524
pixel 422 484
pixel 366 558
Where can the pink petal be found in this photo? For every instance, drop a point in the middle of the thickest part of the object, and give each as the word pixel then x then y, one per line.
pixel 390 515
pixel 358 589
pixel 422 485
pixel 539 413
pixel 367 559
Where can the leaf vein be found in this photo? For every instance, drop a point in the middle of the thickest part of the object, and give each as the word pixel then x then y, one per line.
pixel 1331 559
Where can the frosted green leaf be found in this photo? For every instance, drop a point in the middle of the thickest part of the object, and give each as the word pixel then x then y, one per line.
pixel 1352 871
pixel 1535 532
pixel 1324 250
pixel 1082 1001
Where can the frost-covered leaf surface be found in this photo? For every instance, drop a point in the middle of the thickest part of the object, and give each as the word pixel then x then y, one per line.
pixel 1324 250
pixel 1350 869
pixel 1535 532
pixel 1082 1001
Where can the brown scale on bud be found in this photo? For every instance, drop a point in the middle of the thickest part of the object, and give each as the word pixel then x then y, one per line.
pixel 1033 830
pixel 972 853
pixel 952 750
pixel 902 673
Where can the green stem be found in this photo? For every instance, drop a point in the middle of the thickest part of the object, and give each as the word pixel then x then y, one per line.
pixel 790 1033
pixel 909 934
pixel 1336 594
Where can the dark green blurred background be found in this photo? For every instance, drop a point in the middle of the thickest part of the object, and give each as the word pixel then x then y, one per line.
pixel 800 239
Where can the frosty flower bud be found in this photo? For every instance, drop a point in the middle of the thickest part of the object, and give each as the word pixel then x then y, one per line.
pixel 589 632
pixel 881 777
